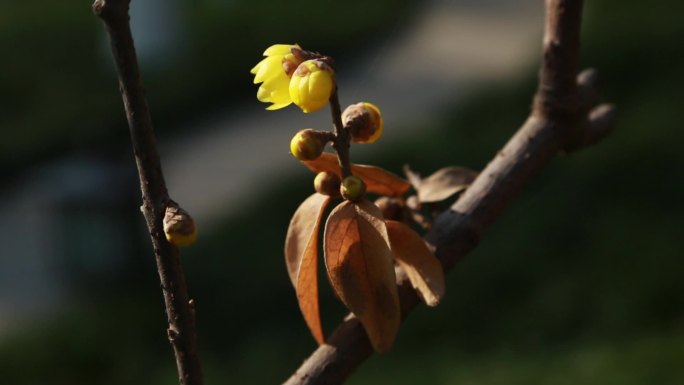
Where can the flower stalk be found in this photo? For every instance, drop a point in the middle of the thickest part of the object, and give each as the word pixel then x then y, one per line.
pixel 342 139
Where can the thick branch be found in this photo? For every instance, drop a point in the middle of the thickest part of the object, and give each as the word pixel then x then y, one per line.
pixel 554 120
pixel 155 198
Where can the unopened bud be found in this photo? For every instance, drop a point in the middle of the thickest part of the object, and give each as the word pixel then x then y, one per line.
pixel 306 145
pixel 179 227
pixel 311 85
pixel 353 188
pixel 363 121
pixel 327 183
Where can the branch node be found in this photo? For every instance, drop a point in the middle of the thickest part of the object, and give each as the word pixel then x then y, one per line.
pixel 111 10
pixel 599 123
pixel 588 89
pixel 172 334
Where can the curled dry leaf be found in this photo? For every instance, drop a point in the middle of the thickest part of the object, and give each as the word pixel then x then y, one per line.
pixel 301 256
pixel 445 183
pixel 378 181
pixel 413 177
pixel 421 266
pixel 360 267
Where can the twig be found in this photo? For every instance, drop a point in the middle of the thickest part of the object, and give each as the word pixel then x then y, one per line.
pixel 341 139
pixel 155 198
pixel 555 119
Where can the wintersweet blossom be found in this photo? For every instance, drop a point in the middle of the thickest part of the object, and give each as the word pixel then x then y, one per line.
pixel 311 85
pixel 274 73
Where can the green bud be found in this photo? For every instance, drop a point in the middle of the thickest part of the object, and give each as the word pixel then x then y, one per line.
pixel 352 188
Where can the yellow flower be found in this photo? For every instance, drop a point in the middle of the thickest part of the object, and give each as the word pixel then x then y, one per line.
pixel 311 85
pixel 274 72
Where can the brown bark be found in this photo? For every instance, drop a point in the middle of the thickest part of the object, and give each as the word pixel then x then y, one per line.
pixel 558 119
pixel 155 198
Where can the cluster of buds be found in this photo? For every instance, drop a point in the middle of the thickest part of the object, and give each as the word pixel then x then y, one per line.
pixel 288 74
pixel 362 241
pixel 351 188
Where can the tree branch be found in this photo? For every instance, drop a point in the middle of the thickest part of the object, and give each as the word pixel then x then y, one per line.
pixel 155 198
pixel 556 119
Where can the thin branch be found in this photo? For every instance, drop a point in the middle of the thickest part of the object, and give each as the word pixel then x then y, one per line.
pixel 341 139
pixel 155 198
pixel 556 117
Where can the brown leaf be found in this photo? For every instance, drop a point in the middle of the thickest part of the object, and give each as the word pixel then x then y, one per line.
pixel 421 266
pixel 445 183
pixel 378 181
pixel 413 177
pixel 301 256
pixel 361 270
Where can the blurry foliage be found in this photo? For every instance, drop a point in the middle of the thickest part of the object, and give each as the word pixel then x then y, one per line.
pixel 578 282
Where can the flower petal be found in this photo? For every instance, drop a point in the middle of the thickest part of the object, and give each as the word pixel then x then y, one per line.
pixel 320 86
pixel 263 94
pixel 270 72
pixel 279 49
pixel 277 106
pixel 270 68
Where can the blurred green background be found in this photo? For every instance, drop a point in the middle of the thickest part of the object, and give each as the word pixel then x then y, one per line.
pixel 578 282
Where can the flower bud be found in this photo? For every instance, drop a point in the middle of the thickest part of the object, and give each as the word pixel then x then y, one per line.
pixel 179 227
pixel 363 121
pixel 327 183
pixel 353 188
pixel 306 145
pixel 311 85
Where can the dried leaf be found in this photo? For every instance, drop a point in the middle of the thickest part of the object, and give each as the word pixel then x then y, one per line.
pixel 303 228
pixel 445 183
pixel 378 181
pixel 301 256
pixel 361 270
pixel 413 177
pixel 421 266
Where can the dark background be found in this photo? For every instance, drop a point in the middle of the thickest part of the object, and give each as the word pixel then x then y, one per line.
pixel 578 282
